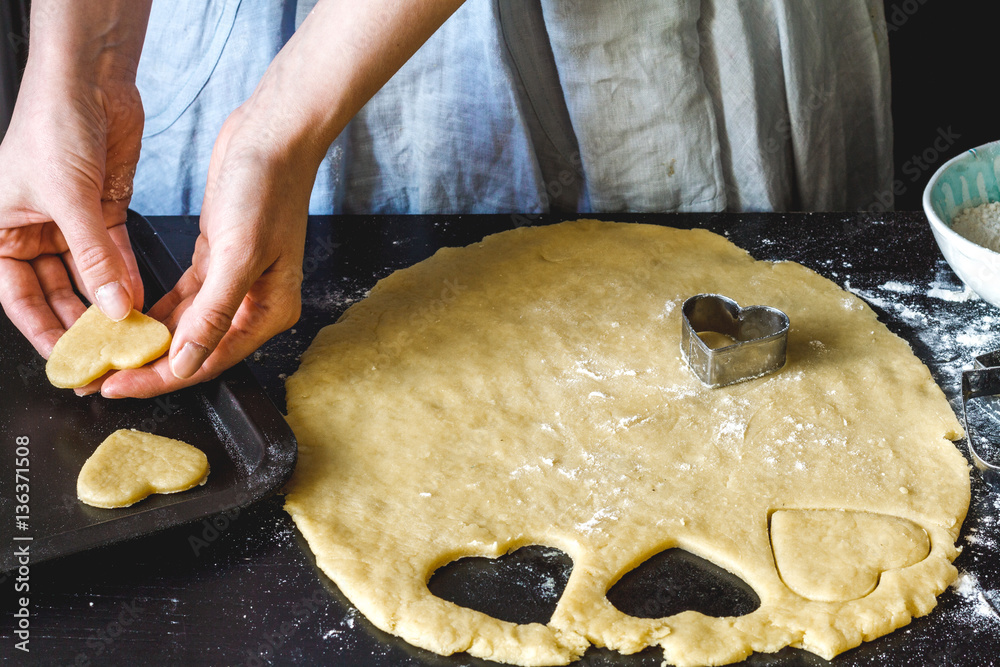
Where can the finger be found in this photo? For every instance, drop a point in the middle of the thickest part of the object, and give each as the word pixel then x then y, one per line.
pixel 58 289
pixel 209 317
pixel 158 378
pixel 24 302
pixel 133 268
pixel 173 318
pixel 74 273
pixel 128 256
pixel 166 309
pixel 271 306
pixel 52 241
pixel 93 387
pixel 28 243
pixel 119 236
pixel 151 380
pixel 99 262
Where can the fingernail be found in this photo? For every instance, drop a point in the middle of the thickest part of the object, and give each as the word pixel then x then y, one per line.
pixel 187 362
pixel 106 392
pixel 113 301
pixel 83 392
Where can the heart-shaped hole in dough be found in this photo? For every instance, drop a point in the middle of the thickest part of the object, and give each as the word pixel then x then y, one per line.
pixel 96 344
pixel 130 465
pixel 839 555
pixel 523 586
pixel 675 580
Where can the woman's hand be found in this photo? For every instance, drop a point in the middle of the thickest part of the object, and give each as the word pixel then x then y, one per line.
pixel 66 167
pixel 243 286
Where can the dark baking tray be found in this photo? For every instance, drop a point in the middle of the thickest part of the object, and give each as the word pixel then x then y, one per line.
pixel 250 448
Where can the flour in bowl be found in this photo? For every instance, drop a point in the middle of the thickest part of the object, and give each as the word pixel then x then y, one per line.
pixel 980 224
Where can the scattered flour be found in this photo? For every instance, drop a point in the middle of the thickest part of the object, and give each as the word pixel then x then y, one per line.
pixel 943 288
pixel 975 606
pixel 977 538
pixel 583 370
pixel 893 305
pixel 526 468
pixel 980 224
pixel 548 588
pixel 668 308
pixel 952 295
pixel 594 523
pixel 901 288
pixel 954 326
pixel 732 428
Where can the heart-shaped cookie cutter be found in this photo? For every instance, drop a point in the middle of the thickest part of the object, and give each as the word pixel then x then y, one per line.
pixel 760 332
pixel 983 380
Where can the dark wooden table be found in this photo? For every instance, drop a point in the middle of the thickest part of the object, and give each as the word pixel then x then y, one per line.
pixel 242 588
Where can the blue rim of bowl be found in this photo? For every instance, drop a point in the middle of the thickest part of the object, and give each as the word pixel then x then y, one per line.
pixel 933 216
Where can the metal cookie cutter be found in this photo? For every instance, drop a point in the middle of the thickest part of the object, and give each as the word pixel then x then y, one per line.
pixel 760 332
pixel 983 380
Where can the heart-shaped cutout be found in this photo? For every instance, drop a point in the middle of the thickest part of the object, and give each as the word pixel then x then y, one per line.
pixel 522 586
pixel 759 336
pixel 96 344
pixel 674 581
pixel 130 465
pixel 838 555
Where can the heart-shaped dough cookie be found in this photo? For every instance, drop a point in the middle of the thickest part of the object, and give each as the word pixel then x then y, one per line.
pixel 839 555
pixel 130 465
pixel 96 344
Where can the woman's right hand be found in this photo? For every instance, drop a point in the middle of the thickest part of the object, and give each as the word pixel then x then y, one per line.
pixel 66 167
pixel 65 183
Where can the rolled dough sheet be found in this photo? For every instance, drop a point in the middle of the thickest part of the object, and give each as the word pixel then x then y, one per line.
pixel 530 389
pixel 96 344
pixel 130 465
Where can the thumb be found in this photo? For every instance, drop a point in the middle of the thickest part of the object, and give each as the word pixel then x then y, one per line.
pixel 206 321
pixel 99 262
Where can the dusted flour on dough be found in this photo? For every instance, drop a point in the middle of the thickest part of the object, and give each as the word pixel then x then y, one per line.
pixel 530 389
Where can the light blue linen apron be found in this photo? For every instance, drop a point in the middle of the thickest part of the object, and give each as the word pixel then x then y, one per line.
pixel 538 105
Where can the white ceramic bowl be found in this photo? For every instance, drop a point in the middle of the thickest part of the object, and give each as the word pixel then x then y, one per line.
pixel 967 180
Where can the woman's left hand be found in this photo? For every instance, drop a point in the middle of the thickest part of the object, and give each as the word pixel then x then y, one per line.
pixel 243 286
pixel 244 283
